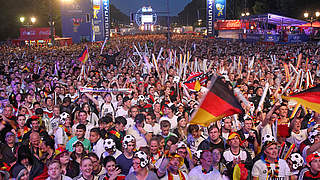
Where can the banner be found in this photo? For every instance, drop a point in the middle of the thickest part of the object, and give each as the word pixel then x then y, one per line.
pixel 210 18
pixel 102 90
pixel 220 9
pixel 35 33
pixel 228 25
pixel 106 19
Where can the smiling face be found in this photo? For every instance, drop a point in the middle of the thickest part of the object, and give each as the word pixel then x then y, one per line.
pixel 110 167
pixel 86 167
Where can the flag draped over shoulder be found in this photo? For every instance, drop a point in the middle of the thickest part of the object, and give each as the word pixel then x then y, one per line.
pixel 217 104
pixel 84 56
pixel 309 98
pixel 195 81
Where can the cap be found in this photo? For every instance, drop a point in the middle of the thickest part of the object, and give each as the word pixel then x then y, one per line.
pixel 233 135
pixel 175 155
pixel 312 157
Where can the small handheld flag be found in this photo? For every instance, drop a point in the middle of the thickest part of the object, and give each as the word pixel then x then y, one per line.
pixel 84 56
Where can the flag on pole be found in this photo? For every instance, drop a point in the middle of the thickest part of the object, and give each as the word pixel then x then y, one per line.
pixel 195 81
pixel 309 98
pixel 217 104
pixel 84 56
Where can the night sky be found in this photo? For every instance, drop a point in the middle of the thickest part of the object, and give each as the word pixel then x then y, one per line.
pixel 126 6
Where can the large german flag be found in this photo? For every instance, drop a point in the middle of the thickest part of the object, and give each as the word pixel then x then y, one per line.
pixel 309 98
pixel 218 103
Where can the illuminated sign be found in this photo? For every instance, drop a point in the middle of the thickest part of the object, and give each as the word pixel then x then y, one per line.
pixel 147 19
pixel 106 19
pixel 210 17
pixel 146 9
pixel 220 9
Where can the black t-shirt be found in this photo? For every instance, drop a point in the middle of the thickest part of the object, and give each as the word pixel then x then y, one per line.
pixel 208 145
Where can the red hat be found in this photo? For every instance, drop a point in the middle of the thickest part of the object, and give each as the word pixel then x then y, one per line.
pixel 312 157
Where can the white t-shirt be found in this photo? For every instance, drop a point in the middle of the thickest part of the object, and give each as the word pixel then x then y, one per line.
pixel 60 137
pixel 173 121
pixel 93 119
pixel 130 123
pixel 197 174
pixel 122 112
pixel 260 169
pixel 298 138
pixel 106 108
pixel 63 178
pixel 264 130
pixel 140 138
pixel 229 156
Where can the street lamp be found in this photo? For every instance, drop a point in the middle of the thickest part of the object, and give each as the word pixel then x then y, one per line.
pixel 33 19
pixel 311 18
pixel 26 22
pixel 22 19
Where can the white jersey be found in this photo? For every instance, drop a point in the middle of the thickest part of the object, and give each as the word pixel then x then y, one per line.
pixel 260 170
pixel 173 121
pixel 197 174
pixel 229 156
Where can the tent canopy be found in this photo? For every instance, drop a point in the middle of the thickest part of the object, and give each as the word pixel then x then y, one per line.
pixel 277 19
pixel 314 24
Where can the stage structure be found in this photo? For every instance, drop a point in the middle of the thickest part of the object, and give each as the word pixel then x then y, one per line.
pixel 146 18
pixel 86 20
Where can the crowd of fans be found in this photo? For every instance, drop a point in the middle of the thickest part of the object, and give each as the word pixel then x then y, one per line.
pixel 52 130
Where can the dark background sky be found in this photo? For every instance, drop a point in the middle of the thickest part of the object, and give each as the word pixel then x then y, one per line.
pixel 126 6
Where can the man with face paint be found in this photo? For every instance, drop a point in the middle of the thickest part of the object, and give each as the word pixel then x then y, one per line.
pixel 270 166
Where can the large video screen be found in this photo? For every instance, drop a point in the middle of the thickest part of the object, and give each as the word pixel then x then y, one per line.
pixel 146 19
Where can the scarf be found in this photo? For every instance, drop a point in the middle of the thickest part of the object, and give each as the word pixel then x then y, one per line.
pixel 271 173
pixel 181 176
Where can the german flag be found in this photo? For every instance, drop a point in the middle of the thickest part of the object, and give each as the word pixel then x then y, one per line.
pixel 309 98
pixel 217 104
pixel 84 56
